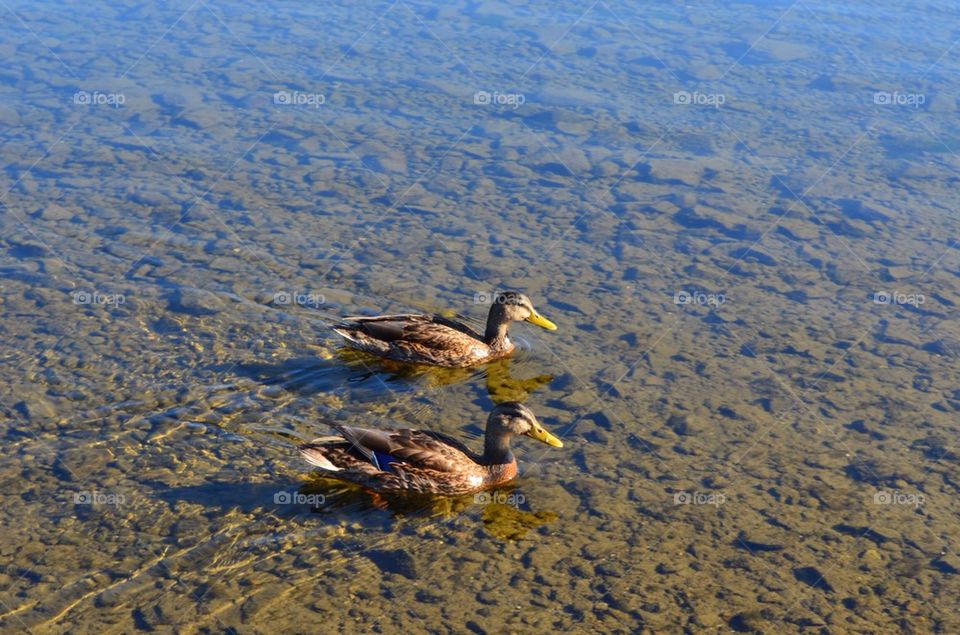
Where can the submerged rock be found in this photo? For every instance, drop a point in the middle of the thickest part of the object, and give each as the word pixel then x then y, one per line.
pixel 811 576
pixel 194 302
pixel 393 561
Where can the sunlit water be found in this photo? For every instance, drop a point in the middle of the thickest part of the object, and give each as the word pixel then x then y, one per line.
pixel 743 220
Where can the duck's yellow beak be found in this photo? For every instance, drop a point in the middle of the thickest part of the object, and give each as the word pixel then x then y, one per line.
pixel 543 436
pixel 539 320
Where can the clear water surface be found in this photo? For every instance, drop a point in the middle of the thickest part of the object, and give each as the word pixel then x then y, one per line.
pixel 743 218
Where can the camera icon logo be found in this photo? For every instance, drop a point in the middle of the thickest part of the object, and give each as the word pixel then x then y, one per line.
pixel 282 498
pixel 682 498
pixel 681 97
pixel 881 297
pixel 682 297
pixel 81 297
pixel 82 498
pixel 282 297
pixel 282 97
pixel 882 98
pixel 81 97
pixel 482 98
pixel 482 498
pixel 882 498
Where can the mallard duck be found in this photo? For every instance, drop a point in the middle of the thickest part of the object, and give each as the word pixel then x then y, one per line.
pixel 418 461
pixel 432 339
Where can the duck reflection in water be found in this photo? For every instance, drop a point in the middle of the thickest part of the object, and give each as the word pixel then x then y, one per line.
pixel 309 375
pixel 501 384
pixel 505 515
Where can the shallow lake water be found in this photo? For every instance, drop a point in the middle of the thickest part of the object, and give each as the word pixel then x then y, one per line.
pixel 742 217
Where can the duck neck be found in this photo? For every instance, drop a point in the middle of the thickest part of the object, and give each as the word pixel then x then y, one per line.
pixel 496 334
pixel 496 450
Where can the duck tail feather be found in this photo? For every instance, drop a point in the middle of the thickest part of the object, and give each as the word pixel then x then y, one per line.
pixel 313 453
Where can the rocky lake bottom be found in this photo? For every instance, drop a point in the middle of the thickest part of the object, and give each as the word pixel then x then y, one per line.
pixel 754 376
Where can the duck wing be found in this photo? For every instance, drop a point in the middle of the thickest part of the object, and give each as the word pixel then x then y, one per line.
pixel 417 449
pixel 429 331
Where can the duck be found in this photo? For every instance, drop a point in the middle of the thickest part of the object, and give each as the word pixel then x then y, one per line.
pixel 434 339
pixel 423 462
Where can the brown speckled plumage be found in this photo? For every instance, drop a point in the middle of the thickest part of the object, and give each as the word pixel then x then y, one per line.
pixel 432 339
pixel 403 460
